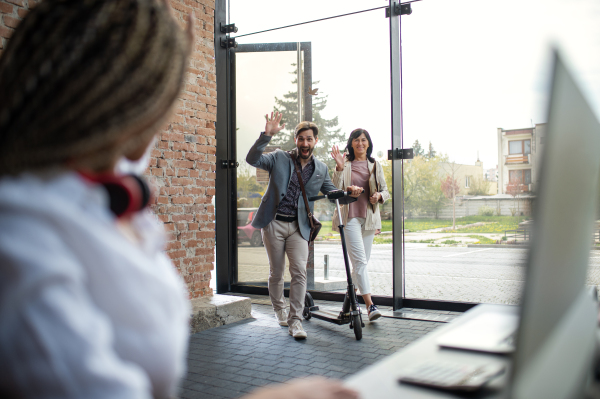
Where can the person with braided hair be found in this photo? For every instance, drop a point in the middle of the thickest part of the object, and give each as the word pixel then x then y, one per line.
pixel 90 305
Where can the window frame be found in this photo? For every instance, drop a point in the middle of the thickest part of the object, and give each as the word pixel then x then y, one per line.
pixel 522 147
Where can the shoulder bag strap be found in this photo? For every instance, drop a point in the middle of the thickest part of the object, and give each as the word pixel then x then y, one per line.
pixel 303 191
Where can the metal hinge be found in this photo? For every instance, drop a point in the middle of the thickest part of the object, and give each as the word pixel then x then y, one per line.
pixel 399 9
pixel 400 153
pixel 231 28
pixel 229 164
pixel 228 42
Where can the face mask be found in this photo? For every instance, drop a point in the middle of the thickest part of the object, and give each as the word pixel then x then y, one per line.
pixel 128 167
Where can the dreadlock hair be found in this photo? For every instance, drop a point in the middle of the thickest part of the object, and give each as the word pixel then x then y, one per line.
pixel 89 78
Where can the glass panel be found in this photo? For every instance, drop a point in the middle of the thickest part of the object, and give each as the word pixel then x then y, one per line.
pixel 260 77
pixel 504 87
pixel 527 176
pixel 259 15
pixel 515 147
pixel 350 89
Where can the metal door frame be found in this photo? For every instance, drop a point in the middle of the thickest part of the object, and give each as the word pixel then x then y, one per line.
pixel 226 175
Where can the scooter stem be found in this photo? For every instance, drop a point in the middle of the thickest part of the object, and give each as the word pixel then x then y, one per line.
pixel 352 295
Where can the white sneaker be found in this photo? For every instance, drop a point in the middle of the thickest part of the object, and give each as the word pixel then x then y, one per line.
pixel 296 330
pixel 281 316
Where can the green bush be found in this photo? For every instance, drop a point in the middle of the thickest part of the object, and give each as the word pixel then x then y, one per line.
pixel 486 211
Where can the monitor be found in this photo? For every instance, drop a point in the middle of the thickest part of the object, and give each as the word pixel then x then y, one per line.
pixel 556 335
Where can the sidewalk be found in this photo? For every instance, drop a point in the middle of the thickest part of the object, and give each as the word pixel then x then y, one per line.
pixel 232 360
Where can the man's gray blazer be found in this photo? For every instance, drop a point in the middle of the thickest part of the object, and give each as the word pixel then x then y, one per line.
pixel 280 166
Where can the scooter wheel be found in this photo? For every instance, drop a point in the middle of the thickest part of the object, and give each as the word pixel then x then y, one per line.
pixel 308 303
pixel 357 322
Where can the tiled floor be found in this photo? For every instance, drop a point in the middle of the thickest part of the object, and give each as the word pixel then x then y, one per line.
pixel 232 360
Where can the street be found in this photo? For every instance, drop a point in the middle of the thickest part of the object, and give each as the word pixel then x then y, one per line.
pixel 465 274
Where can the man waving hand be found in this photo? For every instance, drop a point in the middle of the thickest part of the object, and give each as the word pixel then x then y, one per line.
pixel 282 215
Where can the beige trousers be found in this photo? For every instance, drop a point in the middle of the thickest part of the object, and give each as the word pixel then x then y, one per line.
pixel 281 238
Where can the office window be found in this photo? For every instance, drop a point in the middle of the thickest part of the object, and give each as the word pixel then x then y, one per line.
pixel 519 147
pixel 522 176
pixel 467 181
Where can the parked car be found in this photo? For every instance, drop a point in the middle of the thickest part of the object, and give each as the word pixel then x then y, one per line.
pixel 245 230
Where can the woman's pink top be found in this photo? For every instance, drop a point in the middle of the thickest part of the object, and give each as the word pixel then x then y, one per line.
pixel 360 178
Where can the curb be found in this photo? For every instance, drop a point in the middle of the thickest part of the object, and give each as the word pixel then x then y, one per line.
pixel 513 246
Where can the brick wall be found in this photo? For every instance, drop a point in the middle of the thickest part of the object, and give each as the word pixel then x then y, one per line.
pixel 183 162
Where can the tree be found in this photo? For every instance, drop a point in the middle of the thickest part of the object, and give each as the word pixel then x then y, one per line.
pixel 386 165
pixel 479 186
pixel 248 187
pixel 417 149
pixel 451 187
pixel 422 187
pixel 431 152
pixel 514 188
pixel 329 133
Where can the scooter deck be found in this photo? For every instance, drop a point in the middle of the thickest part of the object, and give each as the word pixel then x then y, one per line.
pixel 329 316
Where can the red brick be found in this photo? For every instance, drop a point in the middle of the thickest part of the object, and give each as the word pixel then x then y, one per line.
pixel 6 8
pixel 22 12
pixel 11 22
pixel 183 164
pixel 20 3
pixel 178 218
pixel 6 32
pixel 182 200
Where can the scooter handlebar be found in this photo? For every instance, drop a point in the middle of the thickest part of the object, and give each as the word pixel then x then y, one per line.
pixel 332 195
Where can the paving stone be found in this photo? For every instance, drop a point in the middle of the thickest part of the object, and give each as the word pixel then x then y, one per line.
pixel 234 359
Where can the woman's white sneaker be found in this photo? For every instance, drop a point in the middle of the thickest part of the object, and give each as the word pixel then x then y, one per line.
pixel 374 313
pixel 296 330
pixel 281 316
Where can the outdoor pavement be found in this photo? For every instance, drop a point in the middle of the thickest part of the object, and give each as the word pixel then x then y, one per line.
pixel 445 272
pixel 232 360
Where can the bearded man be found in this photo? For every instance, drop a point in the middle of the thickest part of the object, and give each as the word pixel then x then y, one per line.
pixel 283 217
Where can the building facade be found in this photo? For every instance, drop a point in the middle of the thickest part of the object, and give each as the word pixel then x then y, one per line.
pixel 519 153
pixel 467 177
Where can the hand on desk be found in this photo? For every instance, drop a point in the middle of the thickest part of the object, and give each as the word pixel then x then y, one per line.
pixel 309 388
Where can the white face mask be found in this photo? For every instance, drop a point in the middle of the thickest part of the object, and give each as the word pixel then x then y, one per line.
pixel 128 167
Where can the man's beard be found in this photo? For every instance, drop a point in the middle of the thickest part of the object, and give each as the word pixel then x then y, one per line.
pixel 310 151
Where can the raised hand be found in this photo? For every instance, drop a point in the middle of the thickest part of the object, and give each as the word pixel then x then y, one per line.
pixel 272 127
pixel 338 157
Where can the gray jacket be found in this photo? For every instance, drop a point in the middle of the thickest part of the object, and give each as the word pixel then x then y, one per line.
pixel 280 166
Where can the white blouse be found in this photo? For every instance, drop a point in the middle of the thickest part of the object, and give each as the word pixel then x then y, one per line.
pixel 84 312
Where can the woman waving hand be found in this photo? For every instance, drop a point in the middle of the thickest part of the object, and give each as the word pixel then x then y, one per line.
pixel 362 219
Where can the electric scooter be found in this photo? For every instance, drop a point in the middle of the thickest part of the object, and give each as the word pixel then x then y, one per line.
pixel 351 313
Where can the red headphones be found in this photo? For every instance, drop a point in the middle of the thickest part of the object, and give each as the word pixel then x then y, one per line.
pixel 128 194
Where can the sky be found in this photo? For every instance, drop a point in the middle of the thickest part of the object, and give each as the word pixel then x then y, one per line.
pixel 469 67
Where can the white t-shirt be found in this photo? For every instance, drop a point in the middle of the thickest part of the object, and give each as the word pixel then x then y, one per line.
pixel 84 312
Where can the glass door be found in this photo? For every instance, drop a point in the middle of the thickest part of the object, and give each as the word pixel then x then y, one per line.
pixel 266 78
pixel 344 85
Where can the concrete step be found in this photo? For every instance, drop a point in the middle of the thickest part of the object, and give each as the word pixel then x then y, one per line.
pixel 333 284
pixel 217 310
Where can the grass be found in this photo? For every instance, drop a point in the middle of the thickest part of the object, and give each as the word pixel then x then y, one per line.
pixel 495 224
pixel 482 239
pixel 383 240
pixel 450 242
pixel 386 225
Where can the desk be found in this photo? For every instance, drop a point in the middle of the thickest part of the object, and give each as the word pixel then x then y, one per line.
pixel 379 381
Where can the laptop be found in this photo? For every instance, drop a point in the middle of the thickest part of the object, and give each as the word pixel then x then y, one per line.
pixel 563 223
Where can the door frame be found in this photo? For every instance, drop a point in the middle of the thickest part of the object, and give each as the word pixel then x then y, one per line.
pixel 226 173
